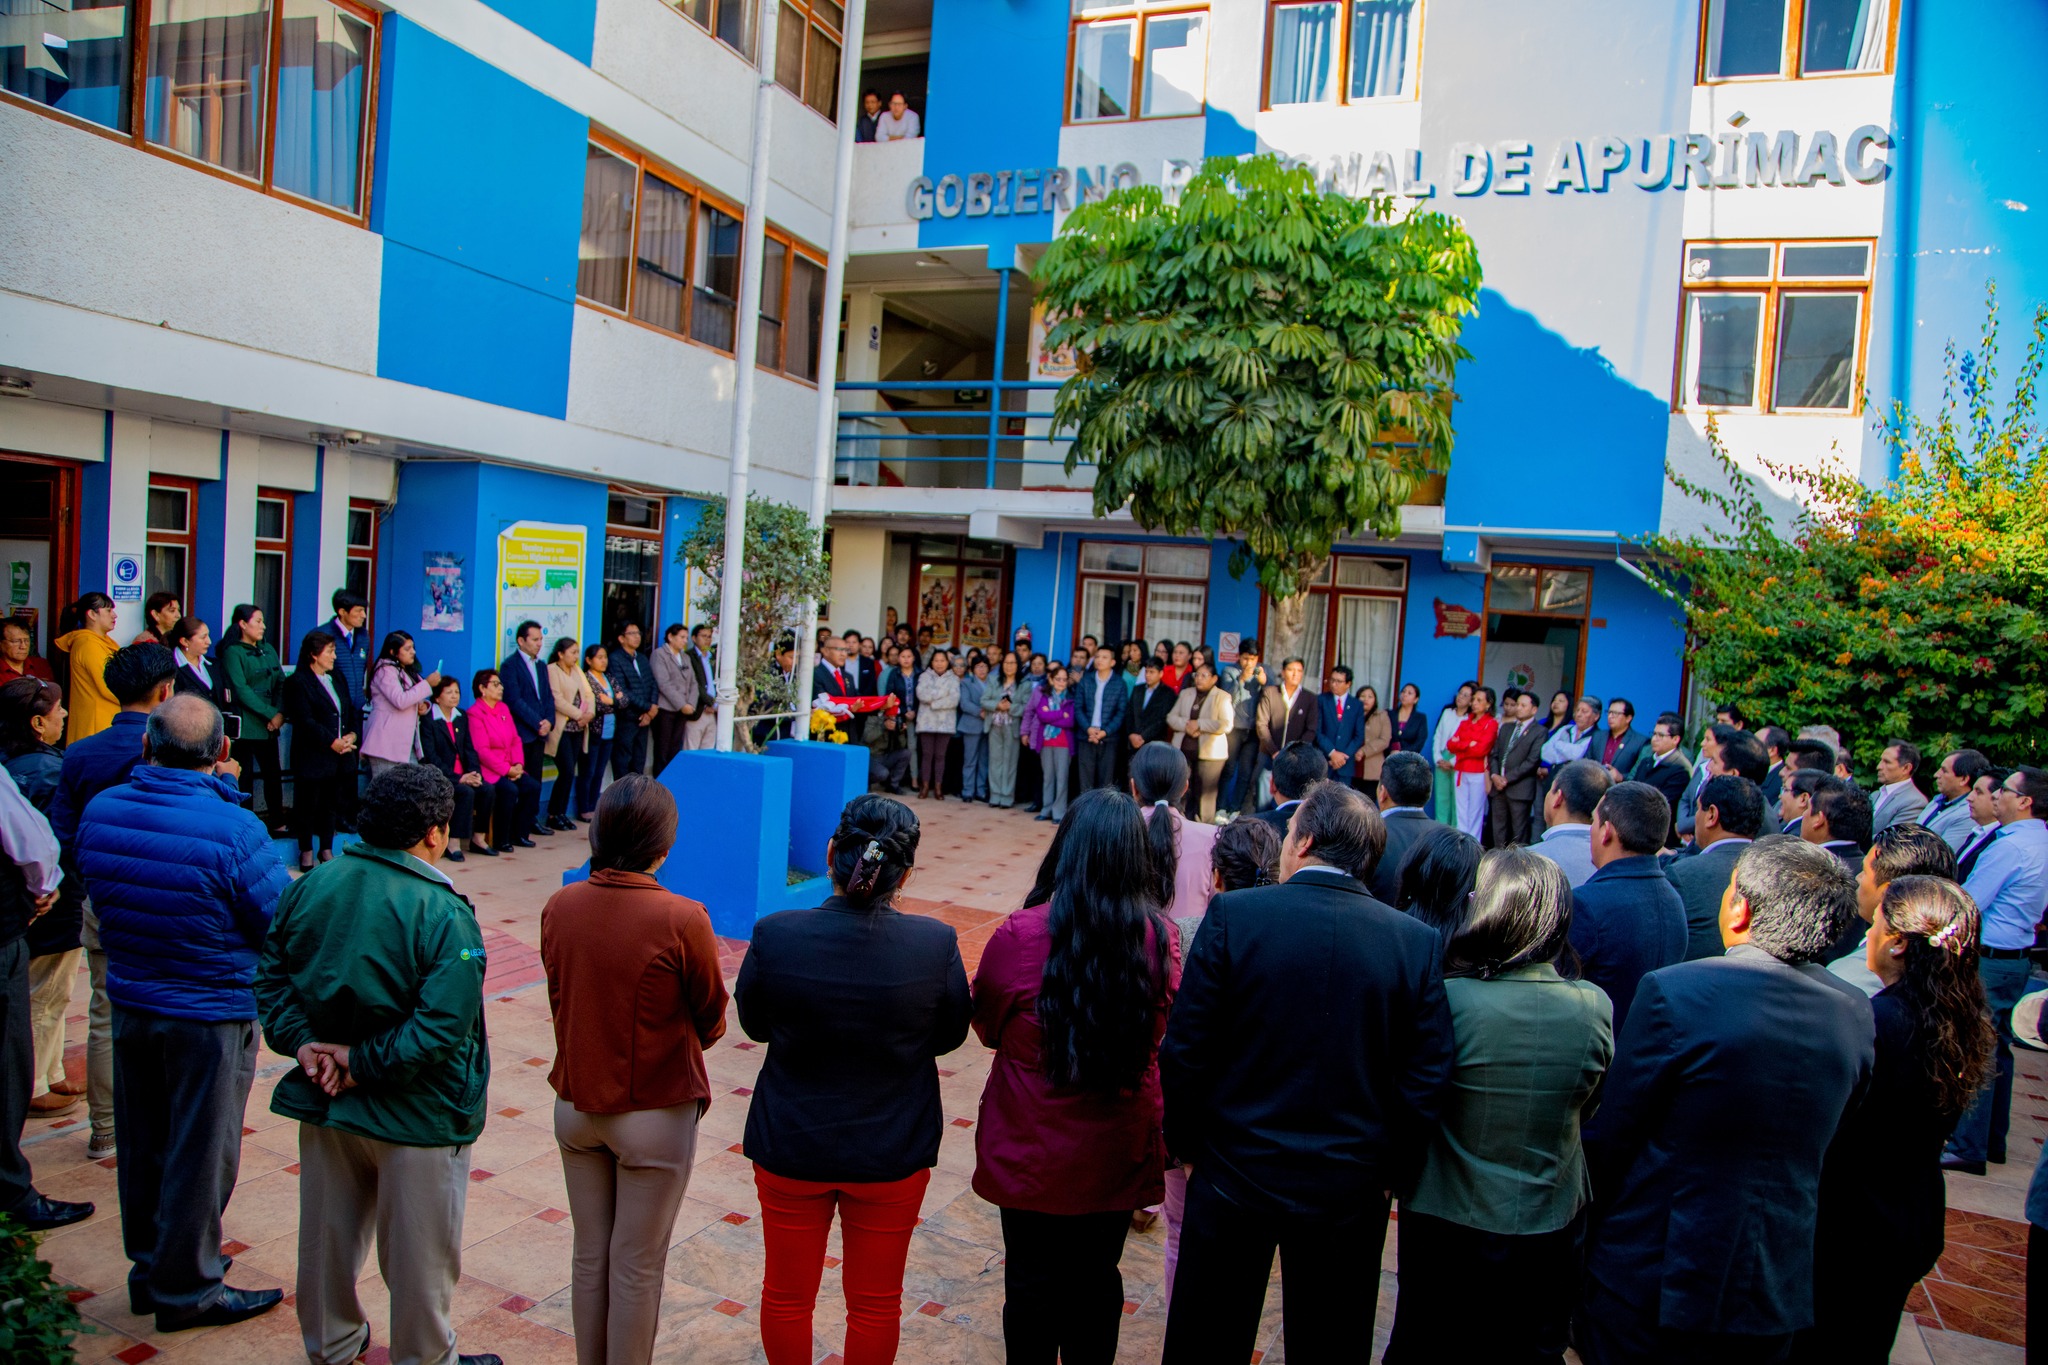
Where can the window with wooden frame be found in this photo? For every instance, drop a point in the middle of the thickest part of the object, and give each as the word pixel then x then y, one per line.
pixel 729 21
pixel 632 562
pixel 170 536
pixel 1355 609
pixel 271 588
pixel 1149 592
pixel 1136 59
pixel 275 94
pixel 1770 40
pixel 807 34
pixel 656 249
pixel 792 307
pixel 1774 326
pixel 1342 51
pixel 360 574
pixel 1535 633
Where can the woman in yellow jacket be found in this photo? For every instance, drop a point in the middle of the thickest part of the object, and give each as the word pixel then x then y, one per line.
pixel 89 646
pixel 575 708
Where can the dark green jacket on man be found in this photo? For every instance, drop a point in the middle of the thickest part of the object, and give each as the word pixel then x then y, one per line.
pixel 377 951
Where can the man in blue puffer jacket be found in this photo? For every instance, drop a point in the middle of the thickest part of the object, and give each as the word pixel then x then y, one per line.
pixel 185 882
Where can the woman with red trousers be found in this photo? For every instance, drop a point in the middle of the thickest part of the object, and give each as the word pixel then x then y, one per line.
pixel 856 1002
pixel 1072 993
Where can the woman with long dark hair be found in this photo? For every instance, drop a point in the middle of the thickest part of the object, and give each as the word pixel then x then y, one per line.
pixel 1559 716
pixel 398 694
pixel 1002 713
pixel 254 675
pixel 1411 733
pixel 1882 1196
pixel 1436 879
pixel 324 728
pixel 87 639
pixel 1469 748
pixel 1447 722
pixel 1072 993
pixel 1492 1237
pixel 1182 881
pixel 856 1001
pixel 575 708
pixel 1379 738
pixel 1049 729
pixel 597 754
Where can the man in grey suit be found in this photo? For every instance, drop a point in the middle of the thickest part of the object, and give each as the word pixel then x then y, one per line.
pixel 1405 783
pixel 1511 771
pixel 1899 799
pixel 1730 815
pixel 1948 814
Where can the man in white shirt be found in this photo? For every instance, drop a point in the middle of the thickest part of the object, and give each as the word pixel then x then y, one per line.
pixel 701 732
pixel 1948 814
pixel 1900 798
pixel 1983 807
pixel 1575 792
pixel 900 124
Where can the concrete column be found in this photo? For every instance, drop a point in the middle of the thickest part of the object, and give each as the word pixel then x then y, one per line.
pixel 859 556
pixel 336 481
pixel 127 515
pixel 863 360
pixel 238 565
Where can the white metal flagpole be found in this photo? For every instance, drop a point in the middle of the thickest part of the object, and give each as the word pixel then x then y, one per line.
pixel 746 345
pixel 826 450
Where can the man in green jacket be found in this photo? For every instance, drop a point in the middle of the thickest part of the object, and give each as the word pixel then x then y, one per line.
pixel 372 977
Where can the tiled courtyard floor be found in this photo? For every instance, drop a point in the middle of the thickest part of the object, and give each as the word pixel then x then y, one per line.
pixel 513 1297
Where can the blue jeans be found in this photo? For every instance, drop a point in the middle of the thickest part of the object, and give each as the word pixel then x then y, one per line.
pixel 973 767
pixel 1980 1135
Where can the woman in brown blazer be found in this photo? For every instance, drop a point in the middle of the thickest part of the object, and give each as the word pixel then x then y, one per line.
pixel 634 987
pixel 1379 734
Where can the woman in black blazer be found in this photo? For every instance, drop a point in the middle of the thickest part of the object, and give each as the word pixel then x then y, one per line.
pixel 1883 1200
pixel 444 739
pixel 325 726
pixel 189 641
pixel 856 1001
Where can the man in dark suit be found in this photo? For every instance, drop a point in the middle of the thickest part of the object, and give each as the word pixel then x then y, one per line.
pixel 832 676
pixel 1147 708
pixel 1797 797
pixel 1340 724
pixel 1627 920
pixel 1776 745
pixel 1617 747
pixel 531 699
pixel 1838 819
pixel 1405 783
pixel 1511 769
pixel 1100 702
pixel 1729 816
pixel 632 675
pixel 1729 1082
pixel 1287 711
pixel 1662 765
pixel 1296 768
pixel 1290 1151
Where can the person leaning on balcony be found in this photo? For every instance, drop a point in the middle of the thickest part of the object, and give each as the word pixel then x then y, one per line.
pixel 634 987
pixel 857 1001
pixel 870 114
pixel 901 123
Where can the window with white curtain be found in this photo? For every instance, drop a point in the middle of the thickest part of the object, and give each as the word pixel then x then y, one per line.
pixel 1137 59
pixel 1173 611
pixel 1774 39
pixel 1129 591
pixel 1302 65
pixel 1384 35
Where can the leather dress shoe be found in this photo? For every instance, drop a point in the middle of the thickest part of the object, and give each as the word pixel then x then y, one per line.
pixel 453 854
pixel 482 1358
pixel 541 830
pixel 40 1213
pixel 142 1305
pixel 561 822
pixel 522 842
pixel 1956 1163
pixel 233 1305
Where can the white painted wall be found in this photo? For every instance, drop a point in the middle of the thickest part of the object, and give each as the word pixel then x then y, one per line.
pixel 859 558
pixel 245 473
pixel 128 456
pixel 334 491
pixel 878 210
pixel 133 235
pixel 34 427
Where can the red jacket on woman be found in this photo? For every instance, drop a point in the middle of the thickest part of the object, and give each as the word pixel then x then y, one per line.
pixel 1472 742
pixel 1046 1149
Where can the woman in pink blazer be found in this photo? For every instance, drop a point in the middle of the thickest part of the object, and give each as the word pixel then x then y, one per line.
pixel 391 732
pixel 501 759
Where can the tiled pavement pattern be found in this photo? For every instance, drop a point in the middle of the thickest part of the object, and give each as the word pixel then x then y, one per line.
pixel 513 1297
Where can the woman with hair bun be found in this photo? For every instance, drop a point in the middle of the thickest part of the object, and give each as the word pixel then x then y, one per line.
pixel 1183 881
pixel 1883 1200
pixel 856 1001
pixel 1072 993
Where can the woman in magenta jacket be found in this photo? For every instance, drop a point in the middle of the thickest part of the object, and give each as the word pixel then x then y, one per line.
pixel 1049 721
pixel 1072 993
pixel 501 757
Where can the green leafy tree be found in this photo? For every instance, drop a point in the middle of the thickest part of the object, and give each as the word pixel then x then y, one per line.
pixel 1913 610
pixel 785 568
pixel 37 1319
pixel 1259 360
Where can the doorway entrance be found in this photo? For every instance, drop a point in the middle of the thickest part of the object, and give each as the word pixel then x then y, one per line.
pixel 38 542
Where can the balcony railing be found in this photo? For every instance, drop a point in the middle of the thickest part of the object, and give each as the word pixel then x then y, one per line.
pixel 972 447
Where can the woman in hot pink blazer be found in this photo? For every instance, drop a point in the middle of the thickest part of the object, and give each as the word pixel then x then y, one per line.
pixel 391 731
pixel 500 758
pixel 1072 993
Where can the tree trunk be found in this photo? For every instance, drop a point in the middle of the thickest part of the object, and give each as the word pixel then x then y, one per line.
pixel 1286 632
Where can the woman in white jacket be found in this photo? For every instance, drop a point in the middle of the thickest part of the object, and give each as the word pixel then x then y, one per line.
pixel 1440 753
pixel 1202 717
pixel 938 716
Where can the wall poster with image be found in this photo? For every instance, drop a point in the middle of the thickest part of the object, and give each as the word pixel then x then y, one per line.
pixel 937 593
pixel 441 608
pixel 980 604
pixel 540 578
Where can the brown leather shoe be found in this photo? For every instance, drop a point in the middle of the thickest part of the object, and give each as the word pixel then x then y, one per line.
pixel 52 1103
pixel 68 1088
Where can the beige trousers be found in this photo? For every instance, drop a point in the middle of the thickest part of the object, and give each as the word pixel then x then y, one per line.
pixel 701 733
pixel 50 978
pixel 626 1175
pixel 412 1198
